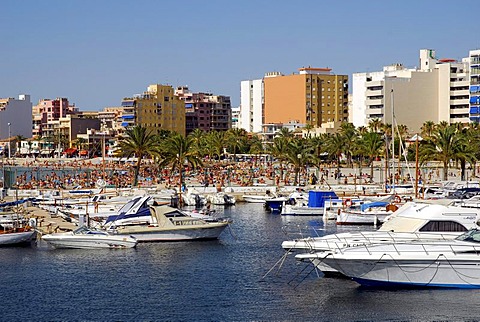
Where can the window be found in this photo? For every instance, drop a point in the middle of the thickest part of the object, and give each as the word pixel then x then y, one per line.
pixel 435 225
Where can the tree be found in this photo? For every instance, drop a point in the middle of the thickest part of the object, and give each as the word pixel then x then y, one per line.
pixel 349 134
pixel 299 155
pixel 427 129
pixel 279 150
pixel 334 146
pixel 445 144
pixel 177 152
pixel 236 139
pixel 140 143
pixel 375 125
pixel 372 144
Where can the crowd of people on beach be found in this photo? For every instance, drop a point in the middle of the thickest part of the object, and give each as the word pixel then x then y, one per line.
pixel 89 173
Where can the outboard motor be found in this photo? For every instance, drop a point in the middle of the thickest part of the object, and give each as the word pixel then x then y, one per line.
pixel 198 201
pixel 174 201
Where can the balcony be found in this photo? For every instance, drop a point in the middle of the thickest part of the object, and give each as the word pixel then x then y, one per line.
pixel 462 101
pixel 373 111
pixel 369 93
pixel 457 111
pixel 374 102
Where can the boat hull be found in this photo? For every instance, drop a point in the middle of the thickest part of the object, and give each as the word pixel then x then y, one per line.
pixel 17 238
pixel 290 210
pixel 351 218
pixel 112 242
pixel 157 234
pixel 411 273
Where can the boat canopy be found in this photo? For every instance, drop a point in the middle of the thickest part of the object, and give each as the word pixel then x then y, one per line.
pixel 366 206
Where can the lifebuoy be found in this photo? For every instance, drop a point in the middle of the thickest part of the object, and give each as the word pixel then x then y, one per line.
pixel 347 202
pixel 397 199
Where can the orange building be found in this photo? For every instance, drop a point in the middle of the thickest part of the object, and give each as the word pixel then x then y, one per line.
pixel 313 96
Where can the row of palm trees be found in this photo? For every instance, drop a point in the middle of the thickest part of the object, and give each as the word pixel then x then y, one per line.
pixel 443 142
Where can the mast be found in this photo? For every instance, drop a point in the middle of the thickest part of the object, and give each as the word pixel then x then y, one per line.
pixel 393 142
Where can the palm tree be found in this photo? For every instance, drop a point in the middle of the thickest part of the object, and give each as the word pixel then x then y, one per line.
pixel 375 125
pixel 299 155
pixel 442 146
pixel 285 133
pixel 427 129
pixel 348 133
pixel 372 144
pixel 236 140
pixel 215 143
pixel 141 143
pixel 177 152
pixel 279 150
pixel 256 147
pixel 198 137
pixel 334 146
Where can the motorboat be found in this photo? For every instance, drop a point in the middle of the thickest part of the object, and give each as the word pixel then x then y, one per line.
pixel 275 205
pixel 89 238
pixel 313 205
pixel 193 198
pixel 17 235
pixel 17 230
pixel 411 221
pixel 333 206
pixel 370 213
pixel 451 263
pixel 170 224
pixel 259 198
pixel 221 199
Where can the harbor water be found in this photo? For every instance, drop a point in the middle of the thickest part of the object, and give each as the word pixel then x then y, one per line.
pixel 221 280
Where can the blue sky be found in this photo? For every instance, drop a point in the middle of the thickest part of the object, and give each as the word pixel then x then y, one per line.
pixel 97 52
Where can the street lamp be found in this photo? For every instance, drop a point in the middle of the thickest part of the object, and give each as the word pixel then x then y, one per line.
pixel 9 143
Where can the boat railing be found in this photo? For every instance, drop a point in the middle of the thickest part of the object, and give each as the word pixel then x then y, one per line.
pixel 426 247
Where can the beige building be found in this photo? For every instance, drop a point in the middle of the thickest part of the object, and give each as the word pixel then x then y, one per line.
pixel 438 90
pixel 157 109
pixel 312 96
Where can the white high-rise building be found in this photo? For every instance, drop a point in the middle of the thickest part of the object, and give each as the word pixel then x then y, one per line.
pixel 251 105
pixel 435 91
pixel 474 60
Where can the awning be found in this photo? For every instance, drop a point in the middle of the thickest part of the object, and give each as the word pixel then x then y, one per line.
pixel 83 152
pixel 70 151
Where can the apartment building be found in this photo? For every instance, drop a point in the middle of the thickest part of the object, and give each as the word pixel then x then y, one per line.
pixel 251 116
pixel 156 109
pixel 437 90
pixel 474 61
pixel 205 111
pixel 312 96
pixel 12 122
pixel 48 110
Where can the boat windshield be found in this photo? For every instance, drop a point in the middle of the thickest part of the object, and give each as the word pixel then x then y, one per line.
pixel 470 236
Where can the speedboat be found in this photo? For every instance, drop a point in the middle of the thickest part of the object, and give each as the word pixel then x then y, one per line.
pixel 416 263
pixel 89 238
pixel 259 198
pixel 222 199
pixel 170 224
pixel 193 198
pixel 411 221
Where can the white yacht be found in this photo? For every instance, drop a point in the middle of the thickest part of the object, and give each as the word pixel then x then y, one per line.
pixel 451 263
pixel 411 221
pixel 88 238
pixel 170 224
